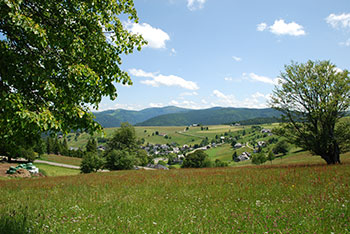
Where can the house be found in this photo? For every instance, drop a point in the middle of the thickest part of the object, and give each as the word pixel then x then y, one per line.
pixel 157 166
pixel 162 134
pixel 244 156
pixel 195 125
pixel 265 130
pixel 101 147
pixel 261 143
pixel 238 145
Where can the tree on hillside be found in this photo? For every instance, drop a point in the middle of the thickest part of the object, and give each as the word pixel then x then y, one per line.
pixel 313 97
pixel 197 159
pixel 123 150
pixel 282 147
pixel 62 57
pixel 91 145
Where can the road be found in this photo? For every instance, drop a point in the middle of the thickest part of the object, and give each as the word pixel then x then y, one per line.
pixel 57 164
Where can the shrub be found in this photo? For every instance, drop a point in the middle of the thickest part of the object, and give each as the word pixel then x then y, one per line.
pixel 91 162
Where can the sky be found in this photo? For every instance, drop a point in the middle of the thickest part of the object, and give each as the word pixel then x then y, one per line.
pixel 228 53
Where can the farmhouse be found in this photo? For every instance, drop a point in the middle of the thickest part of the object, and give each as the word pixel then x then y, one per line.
pixel 265 130
pixel 244 156
pixel 238 145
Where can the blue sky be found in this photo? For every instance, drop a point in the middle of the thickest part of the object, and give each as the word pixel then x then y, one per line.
pixel 206 53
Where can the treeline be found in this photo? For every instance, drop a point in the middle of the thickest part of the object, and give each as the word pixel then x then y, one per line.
pixel 267 120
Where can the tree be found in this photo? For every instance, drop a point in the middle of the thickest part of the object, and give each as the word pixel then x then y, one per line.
pixel 91 145
pixel 282 147
pixel 312 98
pixel 120 160
pixel 235 157
pixel 271 156
pixel 91 162
pixel 123 139
pixel 197 159
pixel 62 57
pixel 259 158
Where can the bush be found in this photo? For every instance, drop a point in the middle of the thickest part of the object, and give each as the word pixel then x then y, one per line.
pixel 219 163
pixel 197 159
pixel 91 162
pixel 259 158
pixel 120 160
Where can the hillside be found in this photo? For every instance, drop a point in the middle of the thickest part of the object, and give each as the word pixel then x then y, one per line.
pixel 113 118
pixel 212 116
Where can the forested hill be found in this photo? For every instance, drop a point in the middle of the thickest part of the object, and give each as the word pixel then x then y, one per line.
pixel 113 118
pixel 212 116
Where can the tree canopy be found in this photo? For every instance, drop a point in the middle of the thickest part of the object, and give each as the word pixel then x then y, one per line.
pixel 58 59
pixel 313 97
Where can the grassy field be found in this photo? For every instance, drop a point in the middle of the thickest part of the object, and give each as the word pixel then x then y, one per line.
pixel 265 199
pixel 61 159
pixel 194 135
pixel 56 171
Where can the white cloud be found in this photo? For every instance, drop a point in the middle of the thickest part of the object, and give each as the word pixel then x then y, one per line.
pixel 228 79
pixel 338 70
pixel 159 79
pixel 189 94
pixel 173 52
pixel 204 101
pixel 256 100
pixel 339 21
pixel 282 28
pixel 156 37
pixel 174 103
pixel 261 27
pixel 262 79
pixel 345 43
pixel 195 4
pixel 237 59
pixel 156 104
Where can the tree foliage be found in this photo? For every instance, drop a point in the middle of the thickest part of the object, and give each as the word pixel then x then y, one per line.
pixel 313 97
pixel 197 159
pixel 91 162
pixel 62 57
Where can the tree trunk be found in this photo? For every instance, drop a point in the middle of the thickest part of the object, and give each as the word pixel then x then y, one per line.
pixel 333 155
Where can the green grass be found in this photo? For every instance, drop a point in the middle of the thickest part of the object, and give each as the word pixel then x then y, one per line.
pixel 264 199
pixel 56 171
pixel 61 159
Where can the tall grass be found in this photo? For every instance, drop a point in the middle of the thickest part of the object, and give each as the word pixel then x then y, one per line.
pixel 268 199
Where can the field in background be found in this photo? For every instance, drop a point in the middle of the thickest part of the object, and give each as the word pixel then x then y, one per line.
pixel 177 134
pixel 61 159
pixel 262 199
pixel 50 170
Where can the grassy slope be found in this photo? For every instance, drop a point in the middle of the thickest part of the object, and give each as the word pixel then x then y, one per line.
pixel 56 171
pixel 61 159
pixel 289 199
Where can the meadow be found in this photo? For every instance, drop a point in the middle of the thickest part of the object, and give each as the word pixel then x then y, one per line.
pixel 252 199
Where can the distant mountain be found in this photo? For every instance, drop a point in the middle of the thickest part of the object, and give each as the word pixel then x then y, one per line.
pixel 212 116
pixel 113 118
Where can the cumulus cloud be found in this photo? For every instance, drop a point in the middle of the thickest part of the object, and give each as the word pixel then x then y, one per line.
pixel 282 28
pixel 228 79
pixel 195 4
pixel 263 79
pixel 155 36
pixel 256 100
pixel 237 59
pixel 159 79
pixel 156 104
pixel 339 21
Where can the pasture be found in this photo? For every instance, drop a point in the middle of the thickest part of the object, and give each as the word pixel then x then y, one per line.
pixel 254 199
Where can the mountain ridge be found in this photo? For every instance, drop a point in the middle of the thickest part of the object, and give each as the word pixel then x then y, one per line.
pixel 177 116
